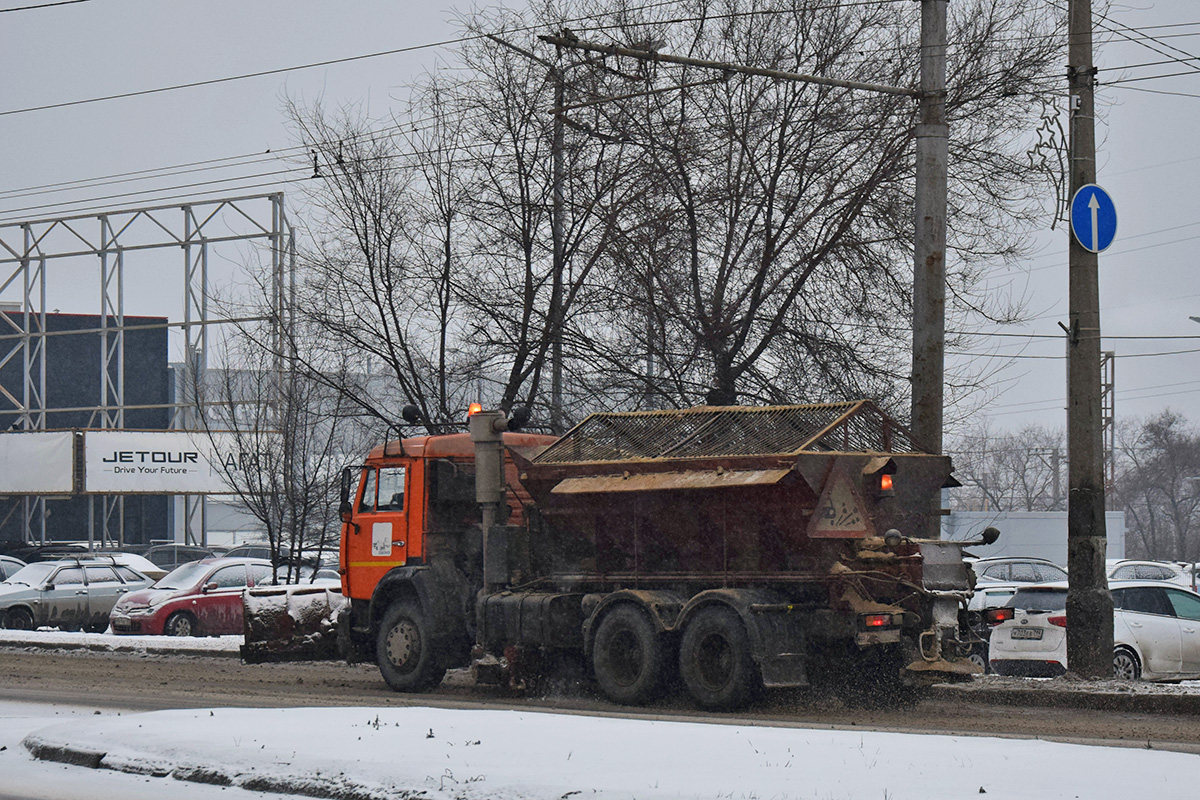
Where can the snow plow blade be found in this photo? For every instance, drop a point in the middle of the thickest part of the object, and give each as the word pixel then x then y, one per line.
pixel 291 623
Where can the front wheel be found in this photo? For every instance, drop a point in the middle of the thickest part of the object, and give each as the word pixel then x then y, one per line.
pixel 181 623
pixel 19 619
pixel 1125 665
pixel 715 660
pixel 404 650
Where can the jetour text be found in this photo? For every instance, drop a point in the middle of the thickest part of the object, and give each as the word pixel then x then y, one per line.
pixel 152 457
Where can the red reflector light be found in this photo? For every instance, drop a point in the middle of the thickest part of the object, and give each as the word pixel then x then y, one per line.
pixel 474 408
pixel 876 620
pixel 885 483
pixel 1060 621
pixel 995 616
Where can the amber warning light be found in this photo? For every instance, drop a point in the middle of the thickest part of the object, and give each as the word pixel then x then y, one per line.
pixel 885 483
pixel 473 409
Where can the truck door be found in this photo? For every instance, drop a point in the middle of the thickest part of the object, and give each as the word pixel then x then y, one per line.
pixel 381 540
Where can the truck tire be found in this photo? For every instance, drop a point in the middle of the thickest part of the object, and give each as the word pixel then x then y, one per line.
pixel 630 660
pixel 404 650
pixel 715 660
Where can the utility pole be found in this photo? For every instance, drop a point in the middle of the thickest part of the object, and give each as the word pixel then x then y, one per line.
pixel 1089 603
pixel 556 232
pixel 929 243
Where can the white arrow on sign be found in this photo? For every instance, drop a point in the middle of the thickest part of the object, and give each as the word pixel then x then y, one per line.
pixel 1094 205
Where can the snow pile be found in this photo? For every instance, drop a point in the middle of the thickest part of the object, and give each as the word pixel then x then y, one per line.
pixel 439 754
pixel 68 640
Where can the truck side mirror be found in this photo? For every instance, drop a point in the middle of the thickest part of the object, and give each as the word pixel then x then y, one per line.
pixel 345 511
pixel 345 488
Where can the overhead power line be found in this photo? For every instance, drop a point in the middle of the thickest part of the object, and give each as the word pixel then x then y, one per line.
pixel 43 5
pixel 227 79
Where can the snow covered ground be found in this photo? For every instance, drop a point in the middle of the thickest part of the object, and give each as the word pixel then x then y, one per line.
pixel 440 754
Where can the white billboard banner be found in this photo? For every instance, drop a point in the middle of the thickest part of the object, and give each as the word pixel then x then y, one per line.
pixel 154 462
pixel 37 463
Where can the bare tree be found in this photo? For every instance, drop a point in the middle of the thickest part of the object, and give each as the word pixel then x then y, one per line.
pixel 1020 471
pixel 284 440
pixel 723 238
pixel 1158 487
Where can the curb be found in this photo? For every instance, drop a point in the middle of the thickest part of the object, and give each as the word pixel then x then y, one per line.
pixel 1130 702
pixel 324 788
pixel 130 649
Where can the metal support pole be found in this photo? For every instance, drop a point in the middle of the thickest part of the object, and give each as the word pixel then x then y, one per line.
pixel 1089 603
pixel 556 288
pixel 929 245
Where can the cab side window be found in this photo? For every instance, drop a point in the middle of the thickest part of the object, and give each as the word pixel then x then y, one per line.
pixel 383 490
pixel 391 489
pixel 368 496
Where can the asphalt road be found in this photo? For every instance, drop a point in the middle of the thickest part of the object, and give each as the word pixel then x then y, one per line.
pixel 143 683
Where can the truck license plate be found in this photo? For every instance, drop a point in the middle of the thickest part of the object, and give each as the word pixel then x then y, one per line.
pixel 1026 633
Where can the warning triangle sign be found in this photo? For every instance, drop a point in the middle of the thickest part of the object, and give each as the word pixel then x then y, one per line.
pixel 839 513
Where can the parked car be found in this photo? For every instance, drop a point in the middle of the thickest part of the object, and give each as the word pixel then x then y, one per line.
pixel 203 598
pixel 987 596
pixel 32 553
pixel 1156 632
pixel 252 551
pixel 1016 569
pixel 169 556
pixel 1132 570
pixel 72 593
pixel 8 566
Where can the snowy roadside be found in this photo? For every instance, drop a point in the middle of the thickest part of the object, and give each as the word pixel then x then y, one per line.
pixel 107 642
pixel 439 754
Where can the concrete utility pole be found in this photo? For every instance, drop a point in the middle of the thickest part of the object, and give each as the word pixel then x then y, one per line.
pixel 929 244
pixel 1089 603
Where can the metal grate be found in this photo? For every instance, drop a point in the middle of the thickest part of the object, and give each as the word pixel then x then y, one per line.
pixel 729 431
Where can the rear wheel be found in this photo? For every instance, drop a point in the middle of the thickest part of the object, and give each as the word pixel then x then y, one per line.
pixel 19 619
pixel 404 650
pixel 715 661
pixel 181 623
pixel 629 658
pixel 1125 665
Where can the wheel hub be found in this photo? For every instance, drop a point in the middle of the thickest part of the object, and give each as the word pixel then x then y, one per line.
pixel 403 645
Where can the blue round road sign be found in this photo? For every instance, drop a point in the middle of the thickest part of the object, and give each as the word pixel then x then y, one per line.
pixel 1093 218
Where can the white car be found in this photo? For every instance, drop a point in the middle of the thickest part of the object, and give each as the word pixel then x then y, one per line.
pixel 1131 570
pixel 1156 632
pixel 1017 569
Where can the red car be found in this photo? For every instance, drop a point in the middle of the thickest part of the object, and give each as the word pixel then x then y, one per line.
pixel 202 598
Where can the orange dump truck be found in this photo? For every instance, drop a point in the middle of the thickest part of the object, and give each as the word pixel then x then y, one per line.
pixel 723 550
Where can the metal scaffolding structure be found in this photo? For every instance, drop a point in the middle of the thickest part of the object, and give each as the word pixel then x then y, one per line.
pixel 28 251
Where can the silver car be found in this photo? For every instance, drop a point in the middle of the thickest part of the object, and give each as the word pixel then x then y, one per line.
pixel 76 593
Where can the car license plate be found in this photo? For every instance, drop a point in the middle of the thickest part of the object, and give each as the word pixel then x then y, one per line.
pixel 1026 633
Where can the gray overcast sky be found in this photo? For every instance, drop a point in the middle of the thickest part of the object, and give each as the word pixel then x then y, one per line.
pixel 1148 159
